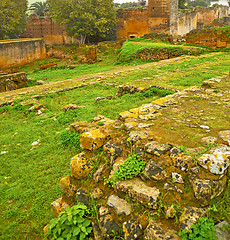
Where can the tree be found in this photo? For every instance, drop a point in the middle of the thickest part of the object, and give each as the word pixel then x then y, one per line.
pixel 13 18
pixel 38 8
pixel 84 18
pixel 181 4
pixel 196 3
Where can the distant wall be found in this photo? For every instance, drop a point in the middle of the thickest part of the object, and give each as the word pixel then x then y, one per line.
pixel 214 38
pixel 16 52
pixel 199 17
pixel 132 23
pixel 159 16
pixel 46 28
pixel 11 82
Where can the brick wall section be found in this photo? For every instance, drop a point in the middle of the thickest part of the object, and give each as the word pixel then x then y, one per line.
pixel 159 15
pixel 210 37
pixel 16 52
pixel 47 29
pixel 11 82
pixel 132 23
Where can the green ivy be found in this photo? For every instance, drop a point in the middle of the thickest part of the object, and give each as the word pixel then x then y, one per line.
pixel 202 230
pixel 132 166
pixel 72 223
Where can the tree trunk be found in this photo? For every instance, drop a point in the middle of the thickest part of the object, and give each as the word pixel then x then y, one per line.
pixel 82 39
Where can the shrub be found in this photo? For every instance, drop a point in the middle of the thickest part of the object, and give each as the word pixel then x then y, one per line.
pixel 72 223
pixel 68 138
pixel 202 230
pixel 132 166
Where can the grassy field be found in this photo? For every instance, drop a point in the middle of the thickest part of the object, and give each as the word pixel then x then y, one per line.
pixel 29 177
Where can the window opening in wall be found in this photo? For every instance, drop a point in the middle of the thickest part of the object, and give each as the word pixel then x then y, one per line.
pixel 132 36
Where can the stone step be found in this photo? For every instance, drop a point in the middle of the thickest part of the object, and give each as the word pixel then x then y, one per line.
pixel 139 191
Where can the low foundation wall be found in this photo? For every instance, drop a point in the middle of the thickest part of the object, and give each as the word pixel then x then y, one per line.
pixel 16 52
pixel 11 82
pixel 214 38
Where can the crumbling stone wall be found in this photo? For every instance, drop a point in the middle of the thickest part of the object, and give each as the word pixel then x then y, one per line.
pixel 132 23
pixel 214 38
pixel 199 17
pixel 160 16
pixel 163 16
pixel 47 29
pixel 15 52
pixel 10 82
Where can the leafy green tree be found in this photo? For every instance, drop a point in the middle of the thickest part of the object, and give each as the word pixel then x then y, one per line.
pixel 181 4
pixel 38 8
pixel 196 3
pixel 13 18
pixel 84 18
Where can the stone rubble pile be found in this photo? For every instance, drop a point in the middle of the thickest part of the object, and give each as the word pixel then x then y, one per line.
pixel 171 182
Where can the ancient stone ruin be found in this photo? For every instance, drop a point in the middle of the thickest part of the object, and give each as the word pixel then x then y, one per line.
pixel 171 181
pixel 9 82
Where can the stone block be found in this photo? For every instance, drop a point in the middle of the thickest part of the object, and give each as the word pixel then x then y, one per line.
pixel 58 206
pixel 92 140
pixel 139 191
pixel 80 166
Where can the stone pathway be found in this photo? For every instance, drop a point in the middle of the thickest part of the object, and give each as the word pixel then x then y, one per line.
pixel 66 85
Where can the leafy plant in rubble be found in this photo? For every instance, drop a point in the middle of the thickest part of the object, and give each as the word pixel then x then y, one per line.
pixel 132 166
pixel 72 223
pixel 202 230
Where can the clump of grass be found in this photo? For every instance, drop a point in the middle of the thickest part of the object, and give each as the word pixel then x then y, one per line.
pixel 156 91
pixel 69 138
pixel 67 117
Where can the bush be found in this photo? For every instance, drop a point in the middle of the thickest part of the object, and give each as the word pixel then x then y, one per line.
pixel 68 138
pixel 72 223
pixel 202 230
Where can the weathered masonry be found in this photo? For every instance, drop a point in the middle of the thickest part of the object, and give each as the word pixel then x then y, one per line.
pixel 163 16
pixel 9 82
pixel 158 16
pixel 47 29
pixel 14 52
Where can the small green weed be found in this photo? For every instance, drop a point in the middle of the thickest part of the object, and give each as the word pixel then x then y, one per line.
pixel 69 138
pixel 202 230
pixel 72 223
pixel 132 166
pixel 216 90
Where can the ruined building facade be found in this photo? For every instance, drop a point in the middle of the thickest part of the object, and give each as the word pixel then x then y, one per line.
pixel 159 16
pixel 163 16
